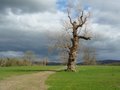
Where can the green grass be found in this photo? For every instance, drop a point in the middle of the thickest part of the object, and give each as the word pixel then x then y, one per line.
pixel 86 78
pixel 19 70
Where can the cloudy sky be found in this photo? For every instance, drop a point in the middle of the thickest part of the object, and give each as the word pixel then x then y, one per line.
pixel 28 24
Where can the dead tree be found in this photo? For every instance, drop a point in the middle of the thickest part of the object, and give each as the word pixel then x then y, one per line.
pixel 89 56
pixel 76 26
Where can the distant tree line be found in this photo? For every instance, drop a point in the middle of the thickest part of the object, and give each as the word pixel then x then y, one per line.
pixel 5 62
pixel 29 58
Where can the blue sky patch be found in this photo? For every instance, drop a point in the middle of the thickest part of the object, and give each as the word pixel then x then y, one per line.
pixel 61 5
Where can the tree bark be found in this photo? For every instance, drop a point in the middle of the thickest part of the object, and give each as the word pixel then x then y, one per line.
pixel 73 51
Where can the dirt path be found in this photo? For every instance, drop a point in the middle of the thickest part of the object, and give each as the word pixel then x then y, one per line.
pixel 34 81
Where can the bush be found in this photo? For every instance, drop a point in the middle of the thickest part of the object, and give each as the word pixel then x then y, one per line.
pixel 14 62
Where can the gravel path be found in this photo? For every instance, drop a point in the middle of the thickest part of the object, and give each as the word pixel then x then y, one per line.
pixel 34 81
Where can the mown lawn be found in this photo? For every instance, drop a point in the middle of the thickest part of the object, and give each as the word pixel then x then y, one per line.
pixel 19 70
pixel 86 78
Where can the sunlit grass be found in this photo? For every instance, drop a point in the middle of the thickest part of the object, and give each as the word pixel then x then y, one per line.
pixel 87 78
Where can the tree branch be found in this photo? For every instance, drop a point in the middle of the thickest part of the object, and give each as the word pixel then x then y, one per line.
pixel 72 40
pixel 85 38
pixel 69 17
pixel 81 17
pixel 81 21
pixel 85 19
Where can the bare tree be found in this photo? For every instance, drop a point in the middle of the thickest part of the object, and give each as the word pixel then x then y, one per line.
pixel 77 29
pixel 45 61
pixel 63 57
pixel 30 56
pixel 63 41
pixel 89 56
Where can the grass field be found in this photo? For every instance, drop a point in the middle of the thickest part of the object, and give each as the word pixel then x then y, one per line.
pixel 19 70
pixel 86 78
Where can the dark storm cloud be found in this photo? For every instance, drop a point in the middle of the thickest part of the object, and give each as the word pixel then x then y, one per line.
pixel 15 36
pixel 27 6
pixel 17 40
pixel 105 47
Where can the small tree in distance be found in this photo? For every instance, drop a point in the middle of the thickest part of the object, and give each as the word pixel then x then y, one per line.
pixel 89 56
pixel 30 56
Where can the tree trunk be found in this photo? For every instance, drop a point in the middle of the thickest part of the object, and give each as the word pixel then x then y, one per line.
pixel 71 62
pixel 73 52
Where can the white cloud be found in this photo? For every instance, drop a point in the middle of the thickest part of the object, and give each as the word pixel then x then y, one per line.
pixel 46 21
pixel 11 54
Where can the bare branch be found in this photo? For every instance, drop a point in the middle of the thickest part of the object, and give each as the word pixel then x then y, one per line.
pixel 81 17
pixel 85 19
pixel 67 46
pixel 85 38
pixel 72 40
pixel 82 20
pixel 69 17
pixel 67 26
